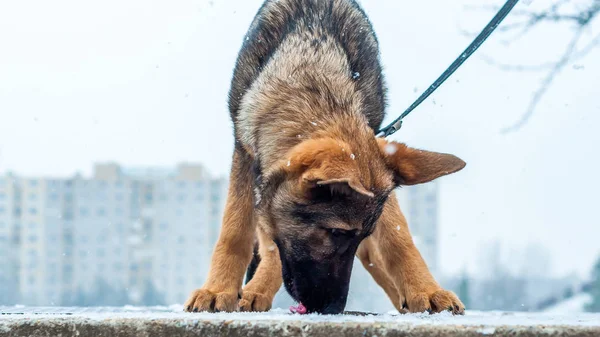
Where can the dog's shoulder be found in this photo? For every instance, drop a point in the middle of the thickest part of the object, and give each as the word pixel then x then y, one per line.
pixel 342 20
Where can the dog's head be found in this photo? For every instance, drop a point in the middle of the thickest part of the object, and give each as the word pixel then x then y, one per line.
pixel 323 198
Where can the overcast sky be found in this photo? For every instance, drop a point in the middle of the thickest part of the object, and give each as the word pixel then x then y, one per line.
pixel 145 83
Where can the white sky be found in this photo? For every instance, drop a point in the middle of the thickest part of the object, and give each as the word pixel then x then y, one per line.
pixel 145 83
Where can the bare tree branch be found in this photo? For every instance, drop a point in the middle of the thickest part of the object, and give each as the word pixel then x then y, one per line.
pixel 546 83
pixel 581 17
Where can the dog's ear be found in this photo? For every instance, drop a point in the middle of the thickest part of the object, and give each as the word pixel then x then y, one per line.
pixel 325 162
pixel 413 166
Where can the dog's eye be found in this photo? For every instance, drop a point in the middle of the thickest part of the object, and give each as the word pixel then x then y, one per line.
pixel 336 232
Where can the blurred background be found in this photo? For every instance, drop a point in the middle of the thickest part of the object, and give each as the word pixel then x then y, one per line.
pixel 115 145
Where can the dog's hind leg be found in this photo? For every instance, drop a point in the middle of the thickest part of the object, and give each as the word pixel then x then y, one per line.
pixel 258 294
pixel 233 250
pixel 253 263
pixel 371 259
pixel 401 260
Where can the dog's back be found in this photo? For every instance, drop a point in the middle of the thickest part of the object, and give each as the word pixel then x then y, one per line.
pixel 297 31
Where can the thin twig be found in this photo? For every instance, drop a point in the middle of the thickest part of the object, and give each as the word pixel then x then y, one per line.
pixel 546 82
pixel 541 66
pixel 528 20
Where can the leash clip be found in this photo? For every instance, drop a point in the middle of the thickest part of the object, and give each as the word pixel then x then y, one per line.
pixel 390 130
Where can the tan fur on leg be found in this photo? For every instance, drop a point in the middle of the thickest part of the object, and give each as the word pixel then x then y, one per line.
pixel 408 271
pixel 371 260
pixel 258 294
pixel 233 251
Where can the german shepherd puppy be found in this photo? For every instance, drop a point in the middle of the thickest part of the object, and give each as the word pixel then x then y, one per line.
pixel 310 181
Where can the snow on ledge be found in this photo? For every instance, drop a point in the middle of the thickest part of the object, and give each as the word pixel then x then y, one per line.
pixel 175 313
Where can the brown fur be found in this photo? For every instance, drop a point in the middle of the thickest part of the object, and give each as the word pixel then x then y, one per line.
pixel 308 169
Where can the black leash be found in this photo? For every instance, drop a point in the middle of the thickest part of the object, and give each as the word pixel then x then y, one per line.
pixel 487 31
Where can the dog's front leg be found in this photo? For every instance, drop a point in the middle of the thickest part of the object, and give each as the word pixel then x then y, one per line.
pixel 233 251
pixel 258 294
pixel 406 268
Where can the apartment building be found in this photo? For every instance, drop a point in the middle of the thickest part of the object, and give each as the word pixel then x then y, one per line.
pixel 122 229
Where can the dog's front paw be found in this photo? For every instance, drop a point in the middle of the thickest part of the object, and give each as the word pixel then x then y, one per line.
pixel 206 300
pixel 255 302
pixel 438 301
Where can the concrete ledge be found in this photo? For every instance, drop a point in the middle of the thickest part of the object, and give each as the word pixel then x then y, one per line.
pixel 152 322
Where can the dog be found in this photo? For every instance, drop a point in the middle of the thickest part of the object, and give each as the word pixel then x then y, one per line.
pixel 310 181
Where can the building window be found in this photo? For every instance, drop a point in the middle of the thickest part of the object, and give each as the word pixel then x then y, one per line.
pixel 53 197
pixel 83 211
pixel 120 228
pixel 33 211
pixel 2 210
pixel 2 195
pixel 33 197
pixel 101 212
pixel 181 198
pixel 33 183
pixel 32 238
pixel 119 211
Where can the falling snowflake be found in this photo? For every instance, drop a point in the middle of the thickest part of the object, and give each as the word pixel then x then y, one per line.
pixel 390 149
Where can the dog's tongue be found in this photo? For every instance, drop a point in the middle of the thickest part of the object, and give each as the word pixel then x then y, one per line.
pixel 299 309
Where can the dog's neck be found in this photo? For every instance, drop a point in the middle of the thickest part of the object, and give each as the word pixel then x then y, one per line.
pixel 289 118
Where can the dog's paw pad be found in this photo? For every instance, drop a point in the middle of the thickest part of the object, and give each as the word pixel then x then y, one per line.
pixel 444 300
pixel 438 301
pixel 203 300
pixel 251 301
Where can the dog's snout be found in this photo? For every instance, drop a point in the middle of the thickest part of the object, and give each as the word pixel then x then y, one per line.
pixel 334 308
